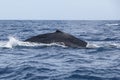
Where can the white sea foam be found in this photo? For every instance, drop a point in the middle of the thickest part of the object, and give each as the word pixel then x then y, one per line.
pixel 104 44
pixel 89 45
pixel 12 42
pixel 114 24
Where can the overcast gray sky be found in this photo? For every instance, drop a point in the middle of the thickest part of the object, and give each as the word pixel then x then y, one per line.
pixel 60 9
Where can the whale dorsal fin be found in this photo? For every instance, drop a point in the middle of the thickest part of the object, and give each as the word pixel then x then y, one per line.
pixel 58 31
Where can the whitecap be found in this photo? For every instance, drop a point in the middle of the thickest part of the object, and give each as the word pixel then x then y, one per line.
pixel 114 24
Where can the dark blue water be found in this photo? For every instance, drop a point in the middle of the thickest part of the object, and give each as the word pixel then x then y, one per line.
pixel 28 61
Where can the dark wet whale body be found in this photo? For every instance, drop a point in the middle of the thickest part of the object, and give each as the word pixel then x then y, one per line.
pixel 58 37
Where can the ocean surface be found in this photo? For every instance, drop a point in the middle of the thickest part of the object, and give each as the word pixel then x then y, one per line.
pixel 21 60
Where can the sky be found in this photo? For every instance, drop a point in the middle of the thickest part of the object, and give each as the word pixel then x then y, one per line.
pixel 60 9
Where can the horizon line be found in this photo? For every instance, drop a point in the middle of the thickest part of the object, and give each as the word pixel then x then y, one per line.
pixel 63 19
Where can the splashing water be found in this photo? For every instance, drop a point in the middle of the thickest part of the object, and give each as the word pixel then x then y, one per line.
pixel 12 42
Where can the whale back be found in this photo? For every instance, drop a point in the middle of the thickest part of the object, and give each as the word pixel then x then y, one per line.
pixel 58 37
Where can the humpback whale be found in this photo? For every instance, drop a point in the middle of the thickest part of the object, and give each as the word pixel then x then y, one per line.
pixel 58 37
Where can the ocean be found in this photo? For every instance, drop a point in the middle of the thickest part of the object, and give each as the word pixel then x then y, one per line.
pixel 21 60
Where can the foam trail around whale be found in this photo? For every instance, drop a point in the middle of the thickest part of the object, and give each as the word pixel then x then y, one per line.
pixel 103 44
pixel 92 45
pixel 12 42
